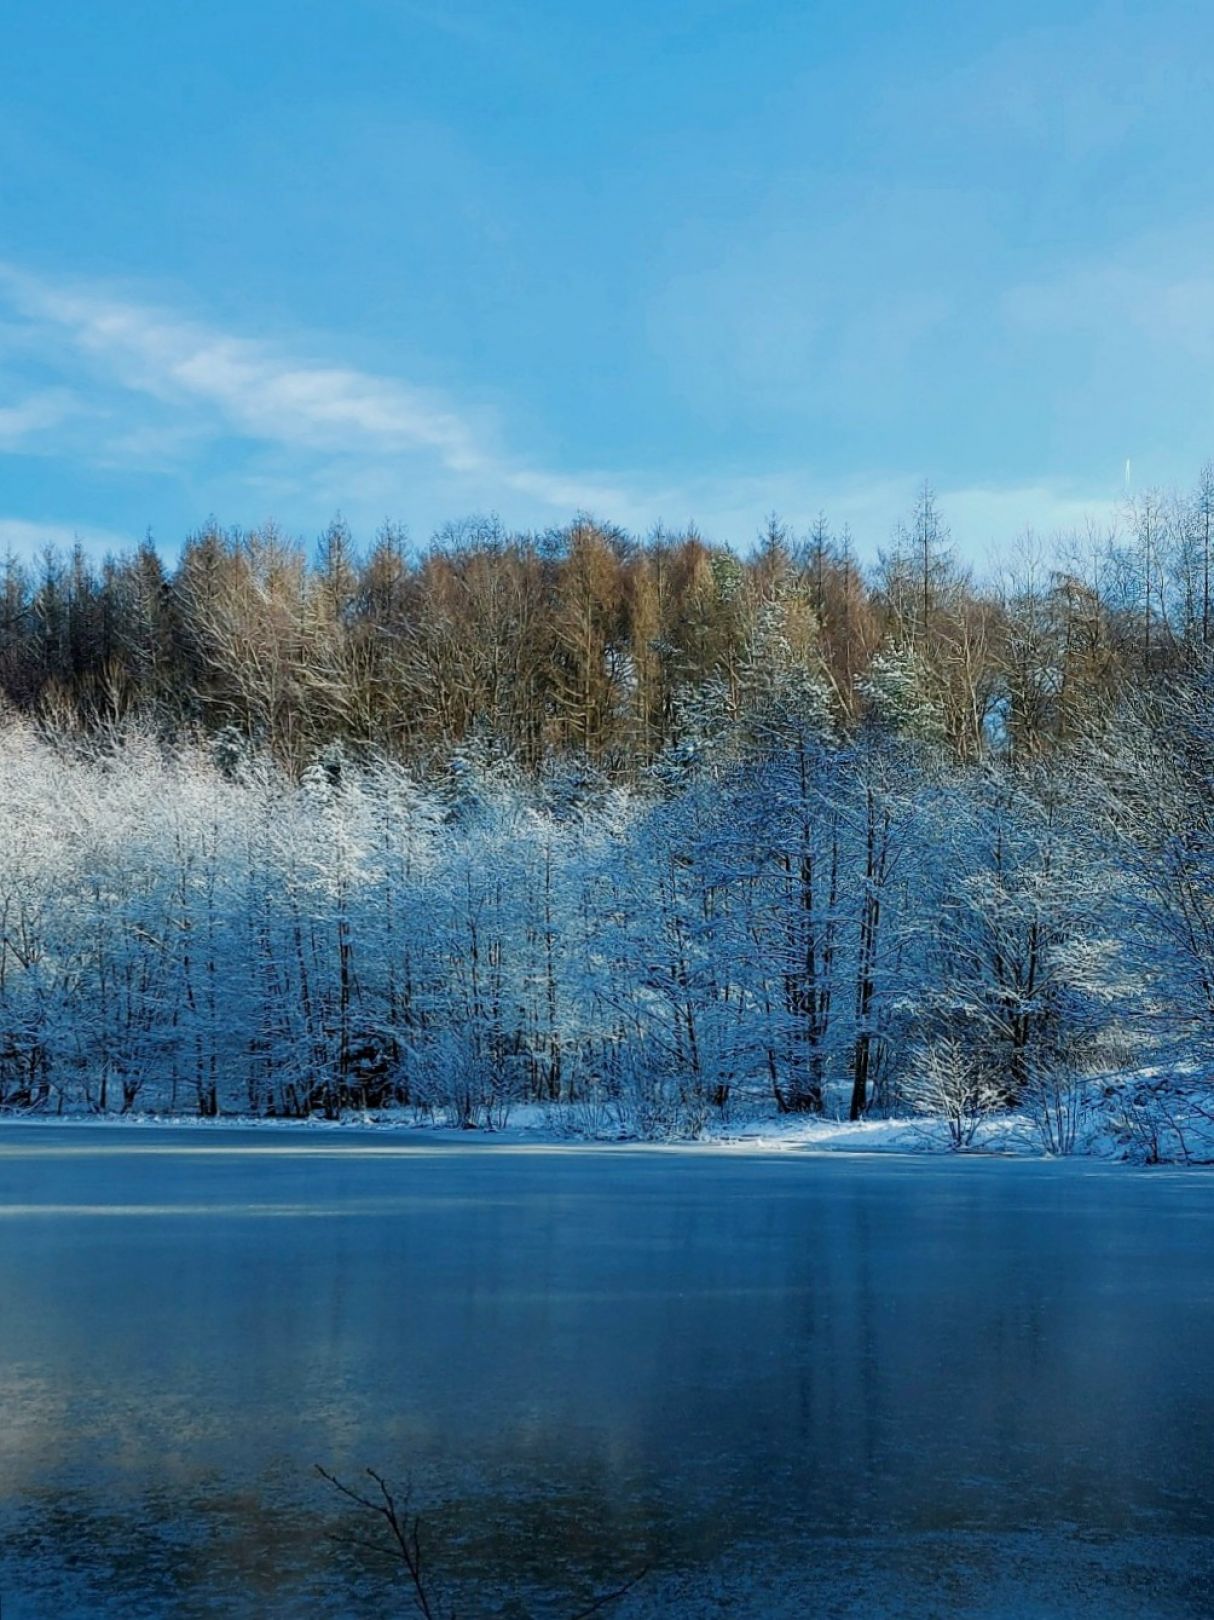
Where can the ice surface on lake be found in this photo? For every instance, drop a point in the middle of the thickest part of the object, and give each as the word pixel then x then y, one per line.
pixel 789 1385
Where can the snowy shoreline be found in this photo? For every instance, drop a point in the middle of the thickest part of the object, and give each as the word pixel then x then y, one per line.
pixel 1010 1136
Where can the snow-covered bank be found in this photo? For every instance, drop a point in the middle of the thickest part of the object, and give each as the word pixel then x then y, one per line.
pixel 1130 1124
pixel 813 924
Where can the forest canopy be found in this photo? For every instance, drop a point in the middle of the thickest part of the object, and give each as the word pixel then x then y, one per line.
pixel 585 641
pixel 642 828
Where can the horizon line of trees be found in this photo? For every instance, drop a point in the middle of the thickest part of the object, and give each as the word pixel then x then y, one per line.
pixel 643 830
pixel 587 641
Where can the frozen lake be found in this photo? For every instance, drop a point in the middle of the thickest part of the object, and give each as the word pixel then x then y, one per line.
pixel 790 1385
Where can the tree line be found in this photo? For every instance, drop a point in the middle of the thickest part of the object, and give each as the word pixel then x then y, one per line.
pixel 646 831
pixel 585 641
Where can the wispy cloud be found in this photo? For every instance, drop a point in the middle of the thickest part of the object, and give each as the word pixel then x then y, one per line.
pixel 1127 338
pixel 24 539
pixel 986 520
pixel 1157 303
pixel 260 393
pixel 990 521
pixel 26 420
pixel 147 390
pixel 459 25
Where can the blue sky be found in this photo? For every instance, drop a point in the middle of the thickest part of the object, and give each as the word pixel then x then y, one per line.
pixel 661 262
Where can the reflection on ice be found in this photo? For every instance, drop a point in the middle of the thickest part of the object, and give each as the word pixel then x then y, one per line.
pixel 878 1383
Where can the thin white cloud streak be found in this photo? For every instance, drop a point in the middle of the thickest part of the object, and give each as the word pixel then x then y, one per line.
pixel 339 429
pixel 22 538
pixel 23 422
pixel 262 394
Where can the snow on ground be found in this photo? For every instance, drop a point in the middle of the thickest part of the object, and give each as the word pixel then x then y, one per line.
pixel 1140 1119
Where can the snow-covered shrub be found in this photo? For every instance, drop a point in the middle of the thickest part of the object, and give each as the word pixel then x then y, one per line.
pixel 947 1082
pixel 655 1100
pixel 1056 1100
pixel 592 1112
pixel 450 1077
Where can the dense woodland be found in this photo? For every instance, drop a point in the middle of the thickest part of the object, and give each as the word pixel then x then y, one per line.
pixel 646 828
